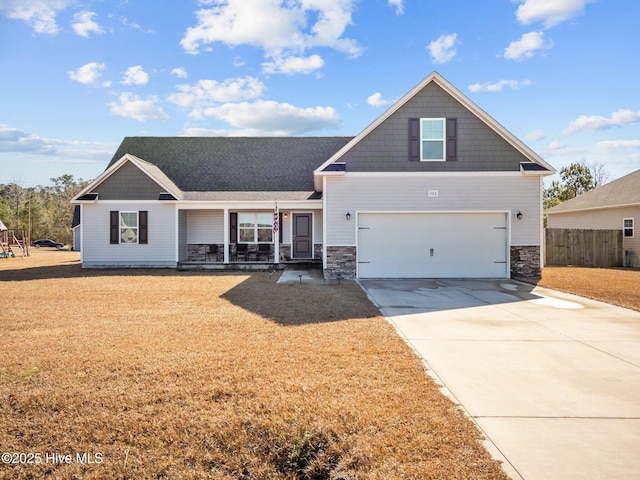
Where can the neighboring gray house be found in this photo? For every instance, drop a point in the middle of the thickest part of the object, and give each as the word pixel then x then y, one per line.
pixel 613 206
pixel 434 187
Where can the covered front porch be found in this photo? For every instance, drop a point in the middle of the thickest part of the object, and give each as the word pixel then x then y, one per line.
pixel 248 235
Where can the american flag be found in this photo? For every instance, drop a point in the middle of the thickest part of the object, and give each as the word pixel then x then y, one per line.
pixel 276 219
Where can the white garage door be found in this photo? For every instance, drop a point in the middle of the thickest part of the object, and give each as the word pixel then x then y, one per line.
pixel 433 245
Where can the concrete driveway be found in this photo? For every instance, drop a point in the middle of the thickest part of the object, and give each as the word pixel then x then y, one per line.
pixel 552 380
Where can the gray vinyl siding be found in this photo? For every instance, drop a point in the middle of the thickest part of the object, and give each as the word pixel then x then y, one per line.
pixel 479 148
pixel 159 252
pixel 603 219
pixel 317 227
pixel 183 225
pixel 128 183
pixel 205 226
pixel 455 193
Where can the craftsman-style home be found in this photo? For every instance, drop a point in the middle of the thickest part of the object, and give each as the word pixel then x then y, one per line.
pixel 434 187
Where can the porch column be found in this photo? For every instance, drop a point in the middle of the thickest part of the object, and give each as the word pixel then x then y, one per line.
pixel 226 235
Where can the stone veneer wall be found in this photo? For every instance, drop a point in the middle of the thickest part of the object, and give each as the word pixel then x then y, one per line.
pixel 197 252
pixel 525 261
pixel 341 261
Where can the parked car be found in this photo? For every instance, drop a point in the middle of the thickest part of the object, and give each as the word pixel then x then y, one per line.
pixel 47 242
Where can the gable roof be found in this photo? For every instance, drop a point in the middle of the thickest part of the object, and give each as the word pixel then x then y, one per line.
pixel 151 170
pixel 234 164
pixel 437 79
pixel 624 191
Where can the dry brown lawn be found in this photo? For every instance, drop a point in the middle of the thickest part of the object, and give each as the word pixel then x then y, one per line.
pixel 165 374
pixel 618 286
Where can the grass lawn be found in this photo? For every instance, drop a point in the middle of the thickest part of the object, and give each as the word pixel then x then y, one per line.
pixel 165 374
pixel 618 286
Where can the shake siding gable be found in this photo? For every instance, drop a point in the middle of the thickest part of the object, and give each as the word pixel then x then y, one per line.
pixel 478 147
pixel 128 183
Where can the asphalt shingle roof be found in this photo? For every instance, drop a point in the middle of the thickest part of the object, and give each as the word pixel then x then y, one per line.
pixel 235 164
pixel 623 191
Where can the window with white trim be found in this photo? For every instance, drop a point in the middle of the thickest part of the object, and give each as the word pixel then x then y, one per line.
pixel 255 227
pixel 432 139
pixel 128 227
pixel 627 227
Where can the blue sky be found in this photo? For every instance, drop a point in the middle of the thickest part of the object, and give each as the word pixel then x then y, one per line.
pixel 79 75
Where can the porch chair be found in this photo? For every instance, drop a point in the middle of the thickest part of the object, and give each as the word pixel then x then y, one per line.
pixel 241 250
pixel 264 249
pixel 213 250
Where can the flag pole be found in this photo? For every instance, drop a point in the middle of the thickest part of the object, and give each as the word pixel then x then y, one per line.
pixel 276 234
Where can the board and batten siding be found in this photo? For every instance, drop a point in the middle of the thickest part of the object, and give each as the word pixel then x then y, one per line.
pixel 603 219
pixel 455 193
pixel 160 251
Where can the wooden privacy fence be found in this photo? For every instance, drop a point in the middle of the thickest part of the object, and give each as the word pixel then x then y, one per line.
pixel 583 248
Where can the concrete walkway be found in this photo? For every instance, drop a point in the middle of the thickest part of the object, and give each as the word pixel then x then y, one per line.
pixel 552 380
pixel 301 274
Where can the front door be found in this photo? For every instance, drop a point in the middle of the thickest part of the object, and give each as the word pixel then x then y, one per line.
pixel 302 236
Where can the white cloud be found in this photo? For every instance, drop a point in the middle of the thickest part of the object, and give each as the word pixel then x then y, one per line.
pixel 18 141
pixel 535 135
pixel 136 26
pixel 557 145
pixel 281 29
pixel 498 86
pixel 619 118
pixel 88 73
pixel 208 92
pixel 275 118
pixel 549 12
pixel 611 145
pixel 39 14
pixel 179 72
pixel 442 49
pixel 15 140
pixel 84 24
pixel 526 47
pixel 376 100
pixel 135 76
pixel 208 132
pixel 398 5
pixel 293 65
pixel 133 106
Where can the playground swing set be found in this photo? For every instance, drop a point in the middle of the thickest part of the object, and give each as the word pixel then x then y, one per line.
pixel 10 244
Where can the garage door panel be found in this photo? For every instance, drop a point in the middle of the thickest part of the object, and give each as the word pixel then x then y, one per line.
pixel 432 245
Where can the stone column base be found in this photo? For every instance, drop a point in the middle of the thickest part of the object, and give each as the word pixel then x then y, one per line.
pixel 525 261
pixel 341 262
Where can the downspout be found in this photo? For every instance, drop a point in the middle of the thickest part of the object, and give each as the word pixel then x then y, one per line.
pixel 324 224
pixel 226 236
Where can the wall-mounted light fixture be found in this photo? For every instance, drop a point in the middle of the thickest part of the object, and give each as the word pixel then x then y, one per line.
pixel 285 216
pixel 347 216
pixel 519 215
